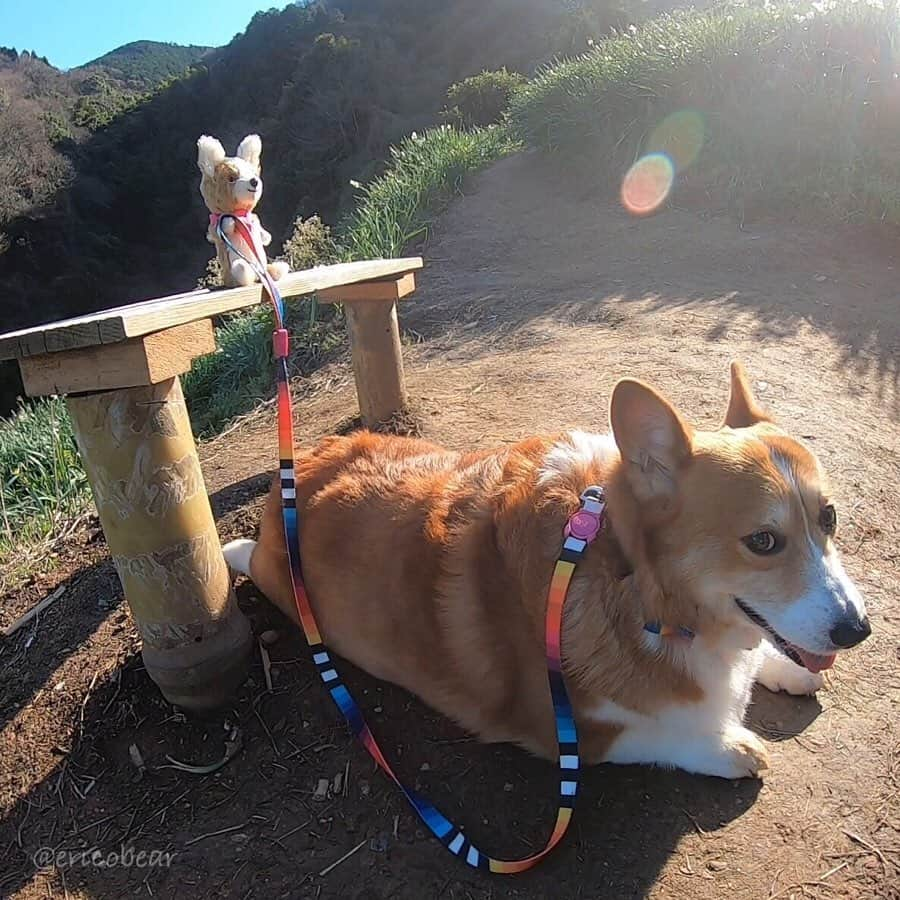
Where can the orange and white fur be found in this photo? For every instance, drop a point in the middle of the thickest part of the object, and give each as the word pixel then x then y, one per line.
pixel 430 569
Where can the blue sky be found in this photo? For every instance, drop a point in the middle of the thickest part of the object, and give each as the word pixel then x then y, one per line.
pixel 71 32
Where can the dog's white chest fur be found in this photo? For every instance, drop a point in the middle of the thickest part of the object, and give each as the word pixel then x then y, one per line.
pixel 707 737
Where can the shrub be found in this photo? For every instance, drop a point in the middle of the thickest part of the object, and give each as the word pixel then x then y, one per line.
pixel 212 277
pixel 482 99
pixel 101 101
pixel 98 110
pixel 57 127
pixel 309 245
pixel 588 21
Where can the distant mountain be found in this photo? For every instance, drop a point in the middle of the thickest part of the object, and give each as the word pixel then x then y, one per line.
pixel 144 64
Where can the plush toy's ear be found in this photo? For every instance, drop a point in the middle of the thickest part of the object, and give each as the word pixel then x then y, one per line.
pixel 250 149
pixel 743 410
pixel 209 154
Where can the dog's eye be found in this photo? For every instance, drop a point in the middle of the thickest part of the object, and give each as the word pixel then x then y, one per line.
pixel 828 519
pixel 232 178
pixel 763 543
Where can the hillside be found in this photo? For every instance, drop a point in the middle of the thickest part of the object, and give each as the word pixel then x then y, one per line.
pixel 46 113
pixel 143 64
pixel 109 209
pixel 36 124
pixel 329 86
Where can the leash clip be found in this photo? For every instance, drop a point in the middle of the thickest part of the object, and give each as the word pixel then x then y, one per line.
pixel 587 523
pixel 280 342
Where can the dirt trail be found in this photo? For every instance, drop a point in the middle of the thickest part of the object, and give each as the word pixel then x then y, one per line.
pixel 536 299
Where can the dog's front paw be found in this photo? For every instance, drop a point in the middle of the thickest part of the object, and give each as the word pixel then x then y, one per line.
pixel 778 673
pixel 745 754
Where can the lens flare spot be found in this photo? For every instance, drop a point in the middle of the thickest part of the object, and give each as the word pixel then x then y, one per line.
pixel 679 136
pixel 647 184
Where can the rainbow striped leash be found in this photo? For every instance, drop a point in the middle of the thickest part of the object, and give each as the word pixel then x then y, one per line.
pixel 582 528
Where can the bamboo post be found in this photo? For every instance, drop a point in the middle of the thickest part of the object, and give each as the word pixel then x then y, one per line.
pixel 139 454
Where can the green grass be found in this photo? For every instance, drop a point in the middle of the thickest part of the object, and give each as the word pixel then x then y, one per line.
pixel 396 209
pixel 800 108
pixel 232 381
pixel 42 484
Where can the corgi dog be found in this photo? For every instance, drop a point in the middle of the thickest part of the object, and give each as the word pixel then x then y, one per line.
pixel 716 568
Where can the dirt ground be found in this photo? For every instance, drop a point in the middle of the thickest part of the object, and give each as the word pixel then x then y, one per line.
pixel 538 294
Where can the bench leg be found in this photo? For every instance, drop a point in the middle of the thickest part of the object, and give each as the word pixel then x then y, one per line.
pixel 139 453
pixel 377 360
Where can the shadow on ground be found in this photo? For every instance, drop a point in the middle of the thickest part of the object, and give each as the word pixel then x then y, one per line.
pixel 257 828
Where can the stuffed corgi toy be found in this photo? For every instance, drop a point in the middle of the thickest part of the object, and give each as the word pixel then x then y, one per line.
pixel 231 187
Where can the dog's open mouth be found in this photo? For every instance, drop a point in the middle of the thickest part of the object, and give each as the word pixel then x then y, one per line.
pixel 815 662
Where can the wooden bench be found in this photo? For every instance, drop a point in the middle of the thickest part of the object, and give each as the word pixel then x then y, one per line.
pixel 119 370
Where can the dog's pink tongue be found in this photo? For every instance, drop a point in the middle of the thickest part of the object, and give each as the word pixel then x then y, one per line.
pixel 815 662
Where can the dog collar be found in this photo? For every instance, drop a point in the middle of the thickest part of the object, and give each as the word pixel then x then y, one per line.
pixel 585 524
pixel 669 630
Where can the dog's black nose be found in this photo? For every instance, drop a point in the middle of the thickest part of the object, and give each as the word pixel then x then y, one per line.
pixel 850 632
pixel 254 182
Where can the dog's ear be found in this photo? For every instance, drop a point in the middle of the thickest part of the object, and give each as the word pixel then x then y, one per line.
pixel 209 154
pixel 250 149
pixel 743 410
pixel 652 438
